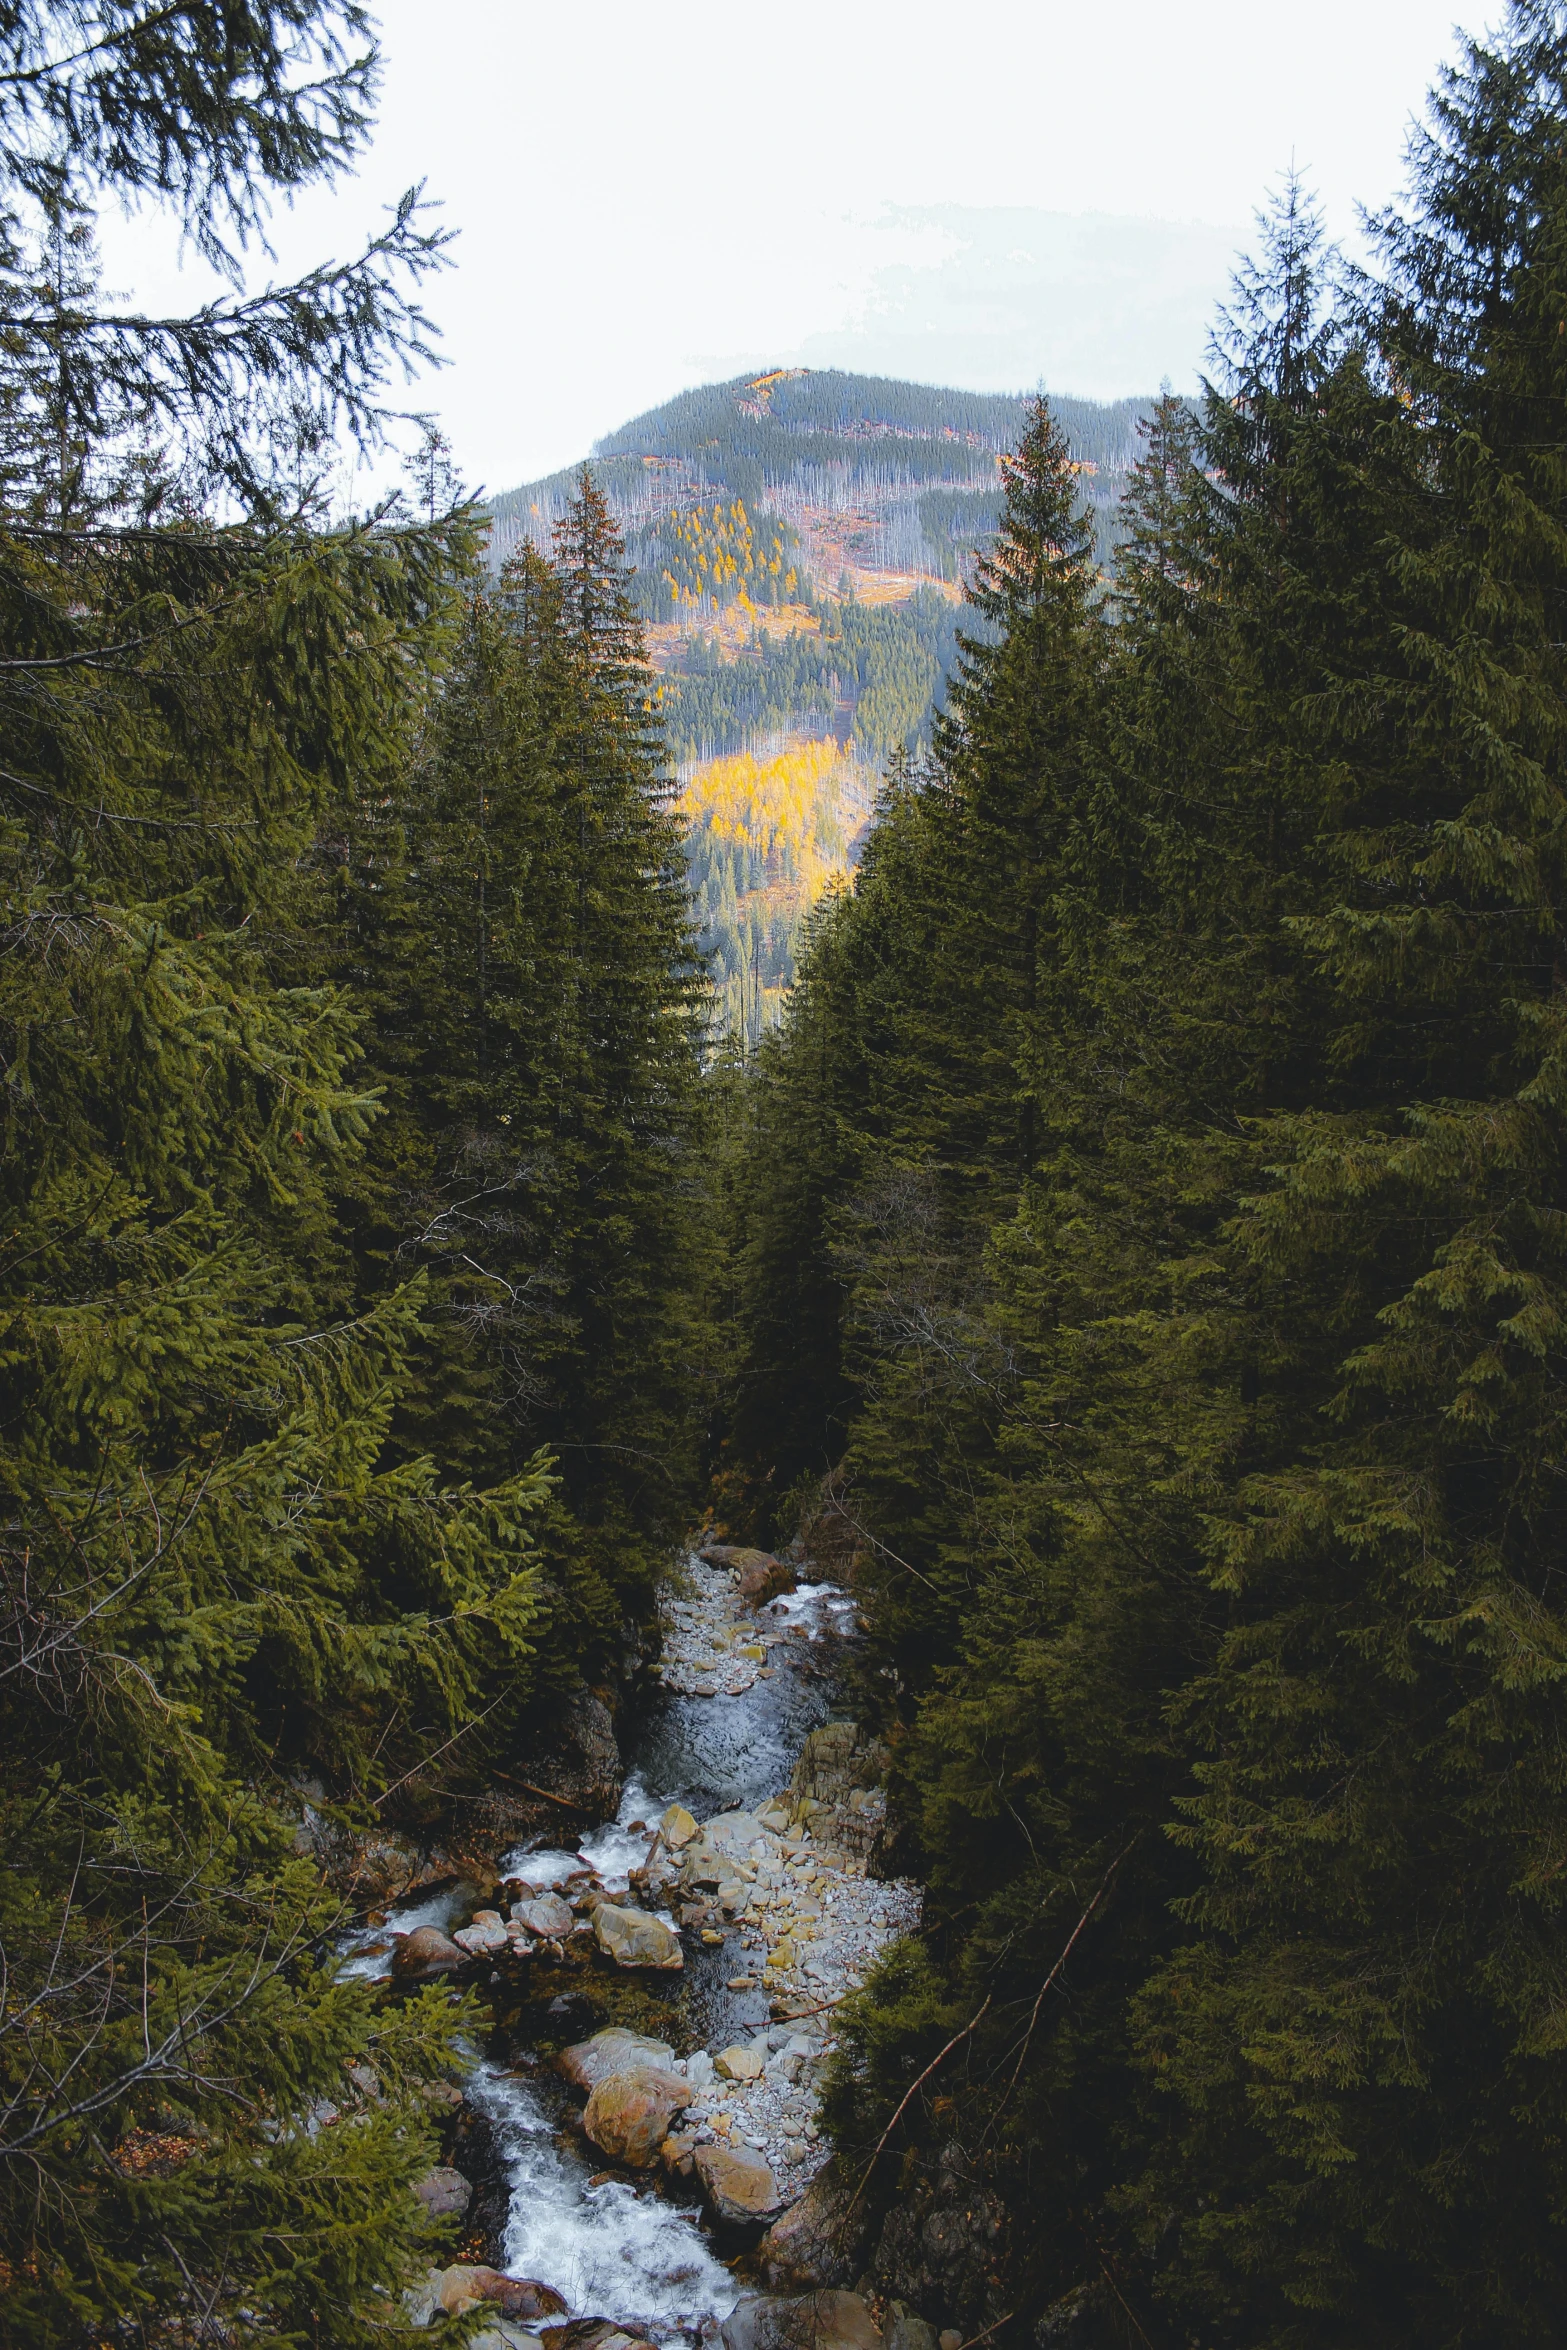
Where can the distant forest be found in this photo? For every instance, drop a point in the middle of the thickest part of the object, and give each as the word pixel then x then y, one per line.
pixel 871 674
pixel 926 457
pixel 752 512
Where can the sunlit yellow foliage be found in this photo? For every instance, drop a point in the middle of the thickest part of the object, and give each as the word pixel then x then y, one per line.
pixel 717 555
pixel 785 808
pixel 769 834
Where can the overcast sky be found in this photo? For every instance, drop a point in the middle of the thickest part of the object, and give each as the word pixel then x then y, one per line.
pixel 997 195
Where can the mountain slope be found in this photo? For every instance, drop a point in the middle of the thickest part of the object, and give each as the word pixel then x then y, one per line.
pixel 799 540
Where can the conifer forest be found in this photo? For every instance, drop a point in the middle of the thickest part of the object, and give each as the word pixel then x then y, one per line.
pixel 983 1537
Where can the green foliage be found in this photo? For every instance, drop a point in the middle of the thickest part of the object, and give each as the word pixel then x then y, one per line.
pixel 887 662
pixel 242 1552
pixel 924 458
pixel 1178 1179
pixel 214 1578
pixel 516 910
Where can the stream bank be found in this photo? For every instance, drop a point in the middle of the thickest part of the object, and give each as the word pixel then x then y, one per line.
pixel 638 2145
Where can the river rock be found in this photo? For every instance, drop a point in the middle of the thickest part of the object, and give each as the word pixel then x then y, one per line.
pixel 810 2321
pixel 678 2154
pixel 462 2287
pixel 486 1933
pixel 614 2050
pixel 764 1579
pixel 738 2185
pixel 740 2063
pixel 635 1938
pixel 591 2333
pixel 735 1555
pixel 677 1827
pixel 545 1915
pixel 733 1833
pixel 628 2115
pixel 444 2192
pixel 426 1951
pixel 817 2241
pixel 905 2331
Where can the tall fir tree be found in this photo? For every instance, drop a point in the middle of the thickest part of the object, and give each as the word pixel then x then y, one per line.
pixel 519 914
pixel 215 1583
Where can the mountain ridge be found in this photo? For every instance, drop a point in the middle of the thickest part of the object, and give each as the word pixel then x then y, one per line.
pixel 799 541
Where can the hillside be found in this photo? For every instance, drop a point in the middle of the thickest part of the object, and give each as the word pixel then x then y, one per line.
pixel 799 540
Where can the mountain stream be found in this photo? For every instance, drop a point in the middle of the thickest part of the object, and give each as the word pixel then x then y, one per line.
pixel 741 1693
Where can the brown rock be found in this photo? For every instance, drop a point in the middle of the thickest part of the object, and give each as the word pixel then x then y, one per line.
pixel 764 1579
pixel 591 2333
pixel 546 1915
pixel 629 2113
pixel 738 2184
pixel 463 2288
pixel 811 2321
pixel 635 1938
pixel 445 2193
pixel 426 1951
pixel 612 2051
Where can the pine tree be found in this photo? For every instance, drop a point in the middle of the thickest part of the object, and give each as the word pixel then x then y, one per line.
pixel 539 1025
pixel 1359 2032
pixel 213 1579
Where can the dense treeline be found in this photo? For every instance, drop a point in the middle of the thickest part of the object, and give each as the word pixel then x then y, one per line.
pixel 765 838
pixel 514 918
pixel 1151 1215
pixel 349 1030
pixel 883 665
pixel 922 458
pixel 703 559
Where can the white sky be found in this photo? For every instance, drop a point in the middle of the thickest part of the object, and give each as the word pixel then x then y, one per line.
pixel 994 195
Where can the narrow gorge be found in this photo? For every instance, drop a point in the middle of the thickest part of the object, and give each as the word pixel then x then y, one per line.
pixel 636 2155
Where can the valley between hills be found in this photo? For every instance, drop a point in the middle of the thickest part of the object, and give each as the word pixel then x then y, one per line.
pixel 798 542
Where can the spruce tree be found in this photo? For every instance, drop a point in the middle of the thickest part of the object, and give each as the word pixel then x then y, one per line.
pixel 520 916
pixel 1358 2032
pixel 215 1578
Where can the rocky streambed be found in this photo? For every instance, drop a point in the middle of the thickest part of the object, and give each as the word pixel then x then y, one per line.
pixel 637 2158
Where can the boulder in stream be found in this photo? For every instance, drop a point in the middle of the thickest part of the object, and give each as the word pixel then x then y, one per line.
pixel 677 1827
pixel 545 1915
pixel 764 1579
pixel 629 2113
pixel 426 1951
pixel 738 2184
pixel 591 2333
pixel 635 1938
pixel 614 2050
pixel 810 2321
pixel 487 1933
pixel 521 2299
